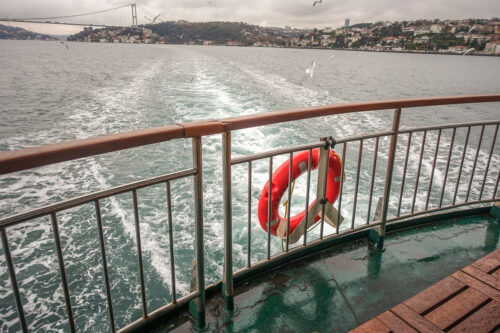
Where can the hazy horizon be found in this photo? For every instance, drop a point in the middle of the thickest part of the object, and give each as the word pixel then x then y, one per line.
pixel 294 13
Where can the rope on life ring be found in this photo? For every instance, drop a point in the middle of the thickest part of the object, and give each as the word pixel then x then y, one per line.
pixel 280 185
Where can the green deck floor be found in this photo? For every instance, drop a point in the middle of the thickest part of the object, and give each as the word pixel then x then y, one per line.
pixel 337 290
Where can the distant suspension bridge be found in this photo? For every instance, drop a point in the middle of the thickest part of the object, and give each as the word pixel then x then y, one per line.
pixel 122 16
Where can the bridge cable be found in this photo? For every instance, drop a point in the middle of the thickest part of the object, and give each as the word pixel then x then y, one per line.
pixel 67 16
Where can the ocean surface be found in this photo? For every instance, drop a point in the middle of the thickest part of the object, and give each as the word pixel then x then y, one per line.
pixel 50 94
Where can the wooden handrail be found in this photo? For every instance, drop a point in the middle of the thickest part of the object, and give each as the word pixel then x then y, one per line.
pixel 267 118
pixel 24 159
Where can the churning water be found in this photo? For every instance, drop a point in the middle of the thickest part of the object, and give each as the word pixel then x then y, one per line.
pixel 50 94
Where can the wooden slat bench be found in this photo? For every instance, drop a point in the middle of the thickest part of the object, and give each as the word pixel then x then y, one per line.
pixel 466 301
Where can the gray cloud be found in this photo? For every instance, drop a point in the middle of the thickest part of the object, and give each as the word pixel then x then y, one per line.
pixel 299 13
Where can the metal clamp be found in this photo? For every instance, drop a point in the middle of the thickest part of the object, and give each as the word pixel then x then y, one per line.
pixel 329 141
pixel 322 207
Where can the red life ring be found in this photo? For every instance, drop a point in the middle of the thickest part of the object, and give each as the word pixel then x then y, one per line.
pixel 280 185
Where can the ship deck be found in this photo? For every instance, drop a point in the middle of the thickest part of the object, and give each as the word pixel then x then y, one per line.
pixel 466 301
pixel 348 285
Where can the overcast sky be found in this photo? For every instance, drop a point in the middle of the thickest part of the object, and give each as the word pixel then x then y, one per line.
pixel 296 13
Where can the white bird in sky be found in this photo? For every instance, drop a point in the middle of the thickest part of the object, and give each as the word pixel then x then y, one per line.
pixel 317 2
pixel 310 70
pixel 331 57
pixel 67 48
pixel 157 17
pixel 180 36
pixel 472 29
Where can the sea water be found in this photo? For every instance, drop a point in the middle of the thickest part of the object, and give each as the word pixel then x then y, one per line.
pixel 51 94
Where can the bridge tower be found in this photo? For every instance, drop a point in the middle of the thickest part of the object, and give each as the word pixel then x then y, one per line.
pixel 134 15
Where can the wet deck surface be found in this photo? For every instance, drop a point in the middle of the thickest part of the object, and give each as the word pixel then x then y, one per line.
pixel 338 290
pixel 466 301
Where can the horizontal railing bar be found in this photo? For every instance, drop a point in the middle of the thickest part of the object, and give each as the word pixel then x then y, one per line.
pixel 63 205
pixel 437 209
pixel 275 117
pixel 33 157
pixel 18 160
pixel 245 274
pixel 346 232
pixel 237 274
pixel 275 152
pixel 450 126
pixel 364 137
pixel 158 313
pixel 24 159
pixel 282 151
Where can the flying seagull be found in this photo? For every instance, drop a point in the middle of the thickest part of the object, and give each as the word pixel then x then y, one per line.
pixel 317 2
pixel 331 57
pixel 152 21
pixel 310 70
pixel 180 36
pixel 62 42
pixel 156 18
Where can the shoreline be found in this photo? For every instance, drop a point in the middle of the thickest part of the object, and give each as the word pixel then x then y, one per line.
pixel 276 47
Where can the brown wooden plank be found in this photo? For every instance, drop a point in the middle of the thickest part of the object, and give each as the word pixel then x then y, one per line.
pixel 487 264
pixel 396 325
pixel 493 255
pixel 456 308
pixel 372 326
pixel 478 285
pixel 482 276
pixel 484 320
pixel 496 274
pixel 414 319
pixel 434 295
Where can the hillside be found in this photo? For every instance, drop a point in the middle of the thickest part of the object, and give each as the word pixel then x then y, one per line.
pixel 8 32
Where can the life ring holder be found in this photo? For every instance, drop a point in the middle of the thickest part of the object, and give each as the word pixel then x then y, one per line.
pixel 328 187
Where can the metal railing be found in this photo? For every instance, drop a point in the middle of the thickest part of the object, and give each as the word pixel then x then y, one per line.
pixel 53 210
pixel 33 157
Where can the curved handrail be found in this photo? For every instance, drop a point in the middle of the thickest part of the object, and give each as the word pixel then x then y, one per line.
pixel 24 159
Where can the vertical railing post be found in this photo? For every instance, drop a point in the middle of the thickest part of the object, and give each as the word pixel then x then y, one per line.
pixel 324 159
pixel 249 219
pixel 13 281
pixel 227 280
pixel 62 272
pixel 139 255
pixel 105 266
pixel 269 208
pixel 197 305
pixel 377 235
